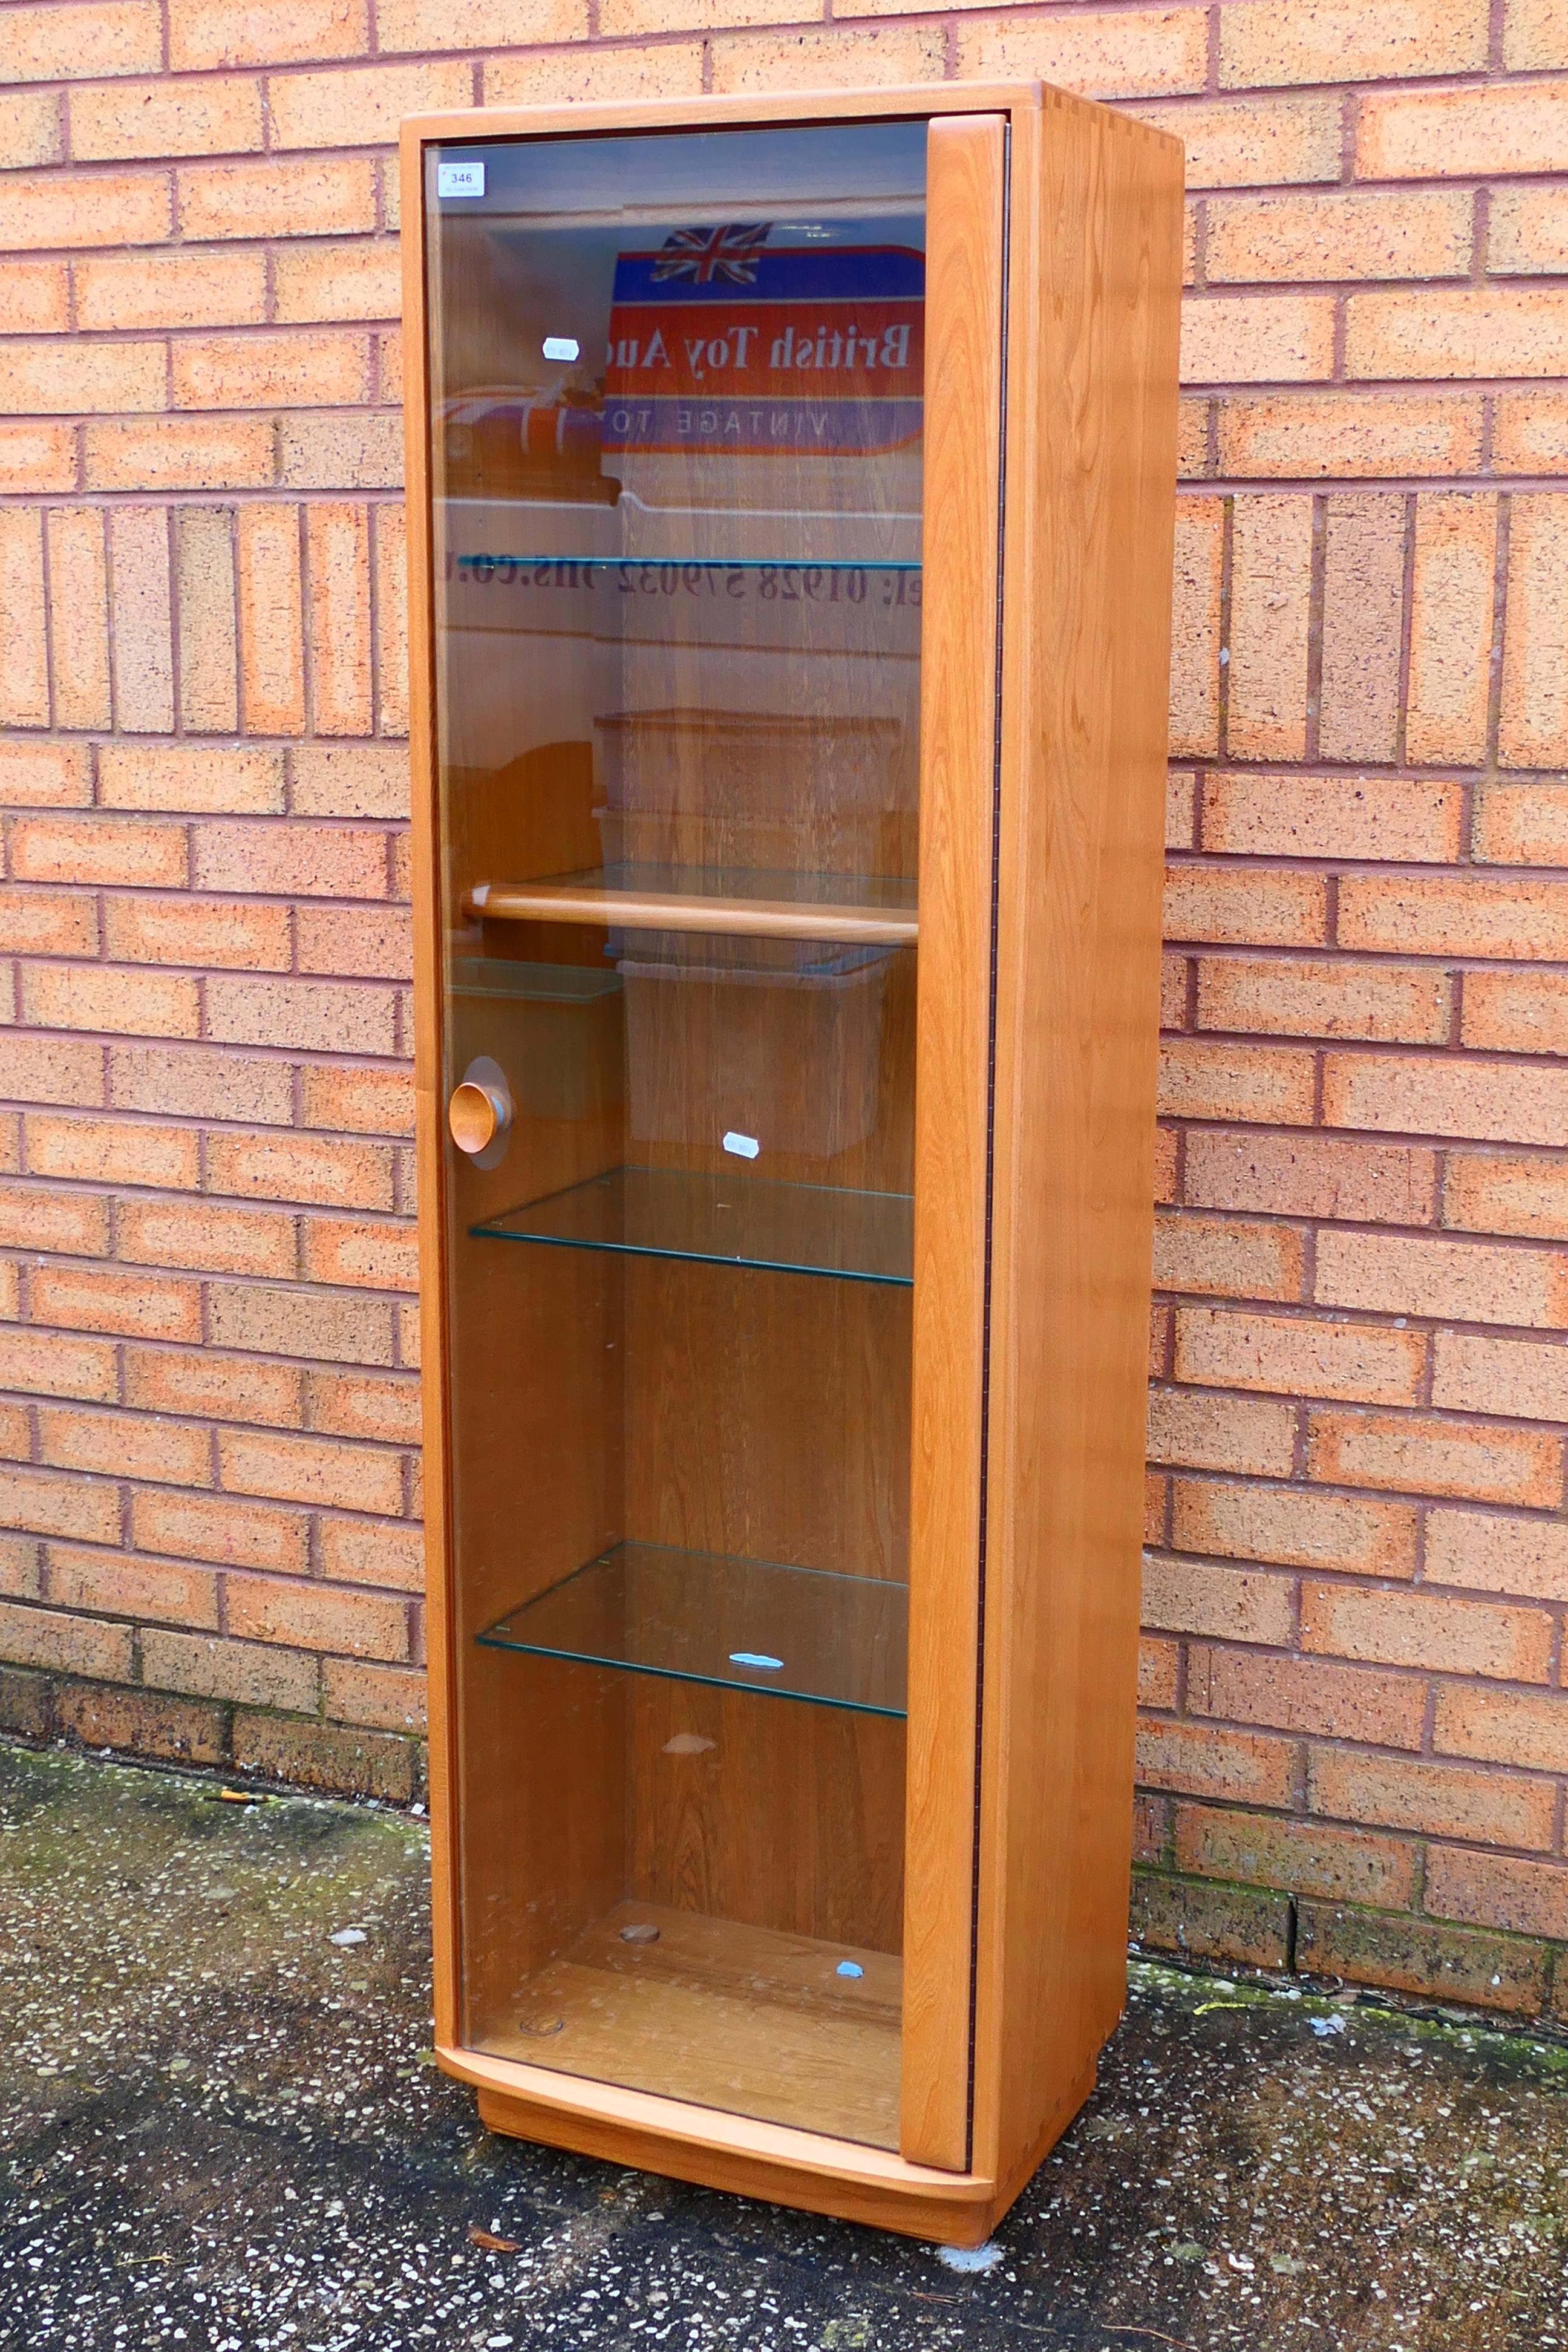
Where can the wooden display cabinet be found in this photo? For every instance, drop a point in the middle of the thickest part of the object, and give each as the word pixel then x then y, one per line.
pixel 791 492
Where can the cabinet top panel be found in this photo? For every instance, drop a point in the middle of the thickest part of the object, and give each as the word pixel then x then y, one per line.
pixel 914 101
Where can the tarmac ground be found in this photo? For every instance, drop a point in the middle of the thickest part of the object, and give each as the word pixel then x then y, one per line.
pixel 221 2129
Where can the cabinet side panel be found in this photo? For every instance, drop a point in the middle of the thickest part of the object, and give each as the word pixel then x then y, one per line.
pixel 428 1104
pixel 965 171
pixel 1091 506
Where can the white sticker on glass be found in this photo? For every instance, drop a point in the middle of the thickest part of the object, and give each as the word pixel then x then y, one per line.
pixel 560 347
pixel 744 1147
pixel 459 179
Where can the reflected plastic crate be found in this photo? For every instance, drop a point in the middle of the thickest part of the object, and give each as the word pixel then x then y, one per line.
pixel 776 1039
pixel 763 790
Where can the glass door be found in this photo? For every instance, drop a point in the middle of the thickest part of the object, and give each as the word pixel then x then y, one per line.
pixel 676 452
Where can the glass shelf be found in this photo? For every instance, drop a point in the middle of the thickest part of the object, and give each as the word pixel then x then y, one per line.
pixel 737 1624
pixel 724 1220
pixel 572 985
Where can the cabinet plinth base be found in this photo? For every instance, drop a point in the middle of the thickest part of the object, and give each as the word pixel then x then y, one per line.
pixel 768 2161
pixel 960 2212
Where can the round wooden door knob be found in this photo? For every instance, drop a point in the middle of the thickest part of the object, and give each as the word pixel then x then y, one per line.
pixel 477 1115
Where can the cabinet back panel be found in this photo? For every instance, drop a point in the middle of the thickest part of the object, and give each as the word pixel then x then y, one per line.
pixel 785 1816
pixel 767 1416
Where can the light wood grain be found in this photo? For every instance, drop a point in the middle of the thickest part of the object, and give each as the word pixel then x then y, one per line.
pixel 914 100
pixel 770 1815
pixel 430 1105
pixel 965 194
pixel 726 2015
pixel 769 2161
pixel 791 918
pixel 1095 250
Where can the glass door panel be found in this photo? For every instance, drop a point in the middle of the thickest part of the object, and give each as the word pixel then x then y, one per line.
pixel 676 419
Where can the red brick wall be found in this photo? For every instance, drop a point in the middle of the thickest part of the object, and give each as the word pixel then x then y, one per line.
pixel 1356 1737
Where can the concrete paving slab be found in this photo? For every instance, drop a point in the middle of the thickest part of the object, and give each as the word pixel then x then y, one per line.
pixel 221 2129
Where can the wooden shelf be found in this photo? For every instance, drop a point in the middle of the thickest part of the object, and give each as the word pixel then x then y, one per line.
pixel 591 901
pixel 724 2015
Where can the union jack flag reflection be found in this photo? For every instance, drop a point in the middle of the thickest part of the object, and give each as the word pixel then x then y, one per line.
pixel 713 256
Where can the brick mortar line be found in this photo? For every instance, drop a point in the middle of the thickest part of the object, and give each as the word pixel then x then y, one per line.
pixel 1368 1581
pixel 67 1682
pixel 162 1416
pixel 139 1486
pixel 216 1569
pixel 301 1368
pixel 1549 1514
pixel 1287 1130
pixel 1263 861
pixel 1319 1742
pixel 1525 2006
pixel 1460 1058
pixel 1192 1874
pixel 262 1129
pixel 1315 1314
pixel 1314 1404
pixel 1447 1678
pixel 1261 1807
pixel 366 62
pixel 1439 1679
pixel 1288 956
pixel 311 1216
pixel 153 967
pixel 318 1056
pixel 68 959
pixel 1242 486
pixel 1463 1056
pixel 1282 1308
pixel 1441 1759
pixel 136 1487
pixel 27 1178
pixel 1210 1300
pixel 1267 1482
pixel 142 1039
pixel 145 1622
pixel 59 1261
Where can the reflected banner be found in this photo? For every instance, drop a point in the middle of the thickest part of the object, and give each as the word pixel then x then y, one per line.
pixel 718 342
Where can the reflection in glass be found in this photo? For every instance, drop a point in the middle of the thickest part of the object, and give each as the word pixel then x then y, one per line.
pixel 676 449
